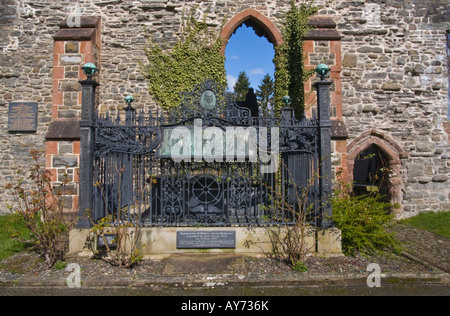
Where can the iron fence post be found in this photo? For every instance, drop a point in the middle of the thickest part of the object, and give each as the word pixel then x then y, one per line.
pixel 86 152
pixel 127 174
pixel 325 175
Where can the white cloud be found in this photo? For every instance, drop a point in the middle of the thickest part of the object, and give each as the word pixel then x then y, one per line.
pixel 235 57
pixel 257 71
pixel 231 82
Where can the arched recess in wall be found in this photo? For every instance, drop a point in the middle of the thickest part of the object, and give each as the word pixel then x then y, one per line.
pixel 383 148
pixel 262 25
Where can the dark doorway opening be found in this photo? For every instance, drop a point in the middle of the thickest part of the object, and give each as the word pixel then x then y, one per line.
pixel 371 173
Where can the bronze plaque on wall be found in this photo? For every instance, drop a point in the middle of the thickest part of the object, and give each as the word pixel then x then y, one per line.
pixel 22 117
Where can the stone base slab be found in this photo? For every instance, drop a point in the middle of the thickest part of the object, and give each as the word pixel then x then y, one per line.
pixel 162 241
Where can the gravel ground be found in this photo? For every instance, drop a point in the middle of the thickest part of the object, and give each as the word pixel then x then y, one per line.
pixel 430 246
pixel 236 275
pixel 31 264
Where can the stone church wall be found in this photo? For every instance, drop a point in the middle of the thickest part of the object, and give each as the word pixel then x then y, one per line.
pixel 389 65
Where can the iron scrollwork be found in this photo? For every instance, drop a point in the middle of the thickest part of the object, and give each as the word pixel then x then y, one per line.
pixel 298 139
pixel 134 140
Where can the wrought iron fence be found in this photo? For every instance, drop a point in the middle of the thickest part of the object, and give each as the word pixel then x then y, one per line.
pixel 146 168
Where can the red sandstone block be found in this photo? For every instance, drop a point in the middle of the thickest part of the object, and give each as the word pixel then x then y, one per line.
pixel 56 60
pixel 48 161
pixel 59 47
pixel 447 129
pixel 53 175
pixel 86 47
pixel 51 148
pixel 81 75
pixel 308 46
pixel 75 202
pixel 336 98
pixel 58 98
pixel 335 47
pixel 76 147
pixel 58 73
pixel 76 177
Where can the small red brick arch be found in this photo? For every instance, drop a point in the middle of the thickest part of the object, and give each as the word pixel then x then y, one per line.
pixel 390 149
pixel 255 19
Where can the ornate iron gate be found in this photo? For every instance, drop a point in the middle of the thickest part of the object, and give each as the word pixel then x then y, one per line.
pixel 208 163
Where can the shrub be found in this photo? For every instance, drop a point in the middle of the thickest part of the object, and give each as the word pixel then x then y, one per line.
pixel 40 208
pixel 290 242
pixel 124 250
pixel 363 221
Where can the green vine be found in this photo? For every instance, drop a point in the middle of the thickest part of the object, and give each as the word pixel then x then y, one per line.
pixel 290 74
pixel 194 58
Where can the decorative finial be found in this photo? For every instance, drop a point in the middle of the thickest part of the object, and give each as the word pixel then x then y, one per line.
pixel 89 70
pixel 287 101
pixel 322 71
pixel 129 99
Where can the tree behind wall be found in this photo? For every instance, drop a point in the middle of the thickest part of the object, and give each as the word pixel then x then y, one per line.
pixel 241 87
pixel 265 94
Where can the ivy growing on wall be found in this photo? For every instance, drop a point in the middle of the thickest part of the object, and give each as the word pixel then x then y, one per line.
pixel 290 74
pixel 193 59
pixel 197 56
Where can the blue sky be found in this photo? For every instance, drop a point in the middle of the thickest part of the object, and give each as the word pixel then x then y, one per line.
pixel 248 52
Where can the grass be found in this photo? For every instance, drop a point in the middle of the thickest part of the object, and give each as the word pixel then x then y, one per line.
pixel 438 223
pixel 9 246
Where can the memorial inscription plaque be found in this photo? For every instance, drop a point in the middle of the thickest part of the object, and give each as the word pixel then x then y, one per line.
pixel 22 117
pixel 206 240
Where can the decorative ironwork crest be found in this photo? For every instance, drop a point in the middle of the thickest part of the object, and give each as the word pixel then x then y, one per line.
pixel 209 100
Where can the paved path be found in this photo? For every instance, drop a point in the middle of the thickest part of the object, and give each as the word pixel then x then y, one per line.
pixel 425 246
pixel 264 292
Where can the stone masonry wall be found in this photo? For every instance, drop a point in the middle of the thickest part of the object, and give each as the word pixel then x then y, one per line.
pixel 394 75
pixel 30 63
pixel 395 81
pixel 26 62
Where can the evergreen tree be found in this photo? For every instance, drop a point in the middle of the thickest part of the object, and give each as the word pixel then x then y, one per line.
pixel 241 87
pixel 265 94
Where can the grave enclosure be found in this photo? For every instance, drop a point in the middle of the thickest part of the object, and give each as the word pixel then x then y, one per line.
pixel 207 164
pixel 389 91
